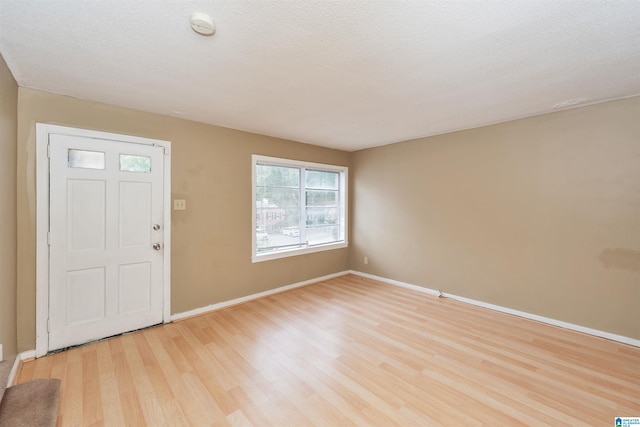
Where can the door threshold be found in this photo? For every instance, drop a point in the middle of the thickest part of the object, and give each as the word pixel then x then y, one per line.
pixel 71 347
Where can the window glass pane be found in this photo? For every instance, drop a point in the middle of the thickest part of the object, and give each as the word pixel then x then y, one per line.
pixel 86 159
pixel 278 208
pixel 286 238
pixel 322 179
pixel 131 163
pixel 323 234
pixel 321 198
pixel 322 215
pixel 277 197
pixel 277 176
pixel 262 240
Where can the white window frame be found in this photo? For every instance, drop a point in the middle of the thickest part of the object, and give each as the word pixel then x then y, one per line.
pixel 344 202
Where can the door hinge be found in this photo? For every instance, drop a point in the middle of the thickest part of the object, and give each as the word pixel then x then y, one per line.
pixel 48 325
pixel 48 150
pixel 49 238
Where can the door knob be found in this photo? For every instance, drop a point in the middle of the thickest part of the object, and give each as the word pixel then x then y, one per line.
pixel 157 246
pixel 156 227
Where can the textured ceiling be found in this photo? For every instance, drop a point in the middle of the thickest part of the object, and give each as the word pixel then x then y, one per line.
pixel 346 74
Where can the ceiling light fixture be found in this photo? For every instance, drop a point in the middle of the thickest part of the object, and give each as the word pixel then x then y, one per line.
pixel 202 24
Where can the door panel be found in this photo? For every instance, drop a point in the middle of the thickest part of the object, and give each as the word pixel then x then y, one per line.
pixel 85 296
pixel 86 215
pixel 135 214
pixel 106 278
pixel 135 287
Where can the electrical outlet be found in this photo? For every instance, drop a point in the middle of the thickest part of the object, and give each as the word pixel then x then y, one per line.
pixel 179 205
pixel 366 260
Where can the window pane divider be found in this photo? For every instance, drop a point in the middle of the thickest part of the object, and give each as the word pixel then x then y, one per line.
pixel 302 222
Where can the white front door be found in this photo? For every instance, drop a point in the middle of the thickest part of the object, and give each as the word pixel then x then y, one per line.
pixel 106 238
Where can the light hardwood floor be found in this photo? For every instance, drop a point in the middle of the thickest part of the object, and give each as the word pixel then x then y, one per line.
pixel 348 351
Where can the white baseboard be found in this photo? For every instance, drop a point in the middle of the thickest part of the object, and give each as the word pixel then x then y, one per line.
pixel 397 283
pixel 236 301
pixel 595 332
pixel 213 307
pixel 25 355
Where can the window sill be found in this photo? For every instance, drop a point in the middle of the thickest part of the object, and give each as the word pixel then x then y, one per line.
pixel 297 251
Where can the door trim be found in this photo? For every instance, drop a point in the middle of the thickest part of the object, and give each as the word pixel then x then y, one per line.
pixel 43 131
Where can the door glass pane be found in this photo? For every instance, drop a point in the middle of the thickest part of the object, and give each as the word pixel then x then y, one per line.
pixel 86 159
pixel 131 163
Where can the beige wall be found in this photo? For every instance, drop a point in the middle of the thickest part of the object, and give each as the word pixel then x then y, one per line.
pixel 211 169
pixel 540 214
pixel 8 123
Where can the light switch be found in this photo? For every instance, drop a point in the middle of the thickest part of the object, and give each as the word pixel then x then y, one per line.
pixel 179 205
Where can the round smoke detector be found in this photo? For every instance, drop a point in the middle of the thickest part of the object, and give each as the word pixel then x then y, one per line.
pixel 202 23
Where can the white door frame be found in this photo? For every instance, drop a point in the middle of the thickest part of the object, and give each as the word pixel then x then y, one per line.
pixel 43 131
